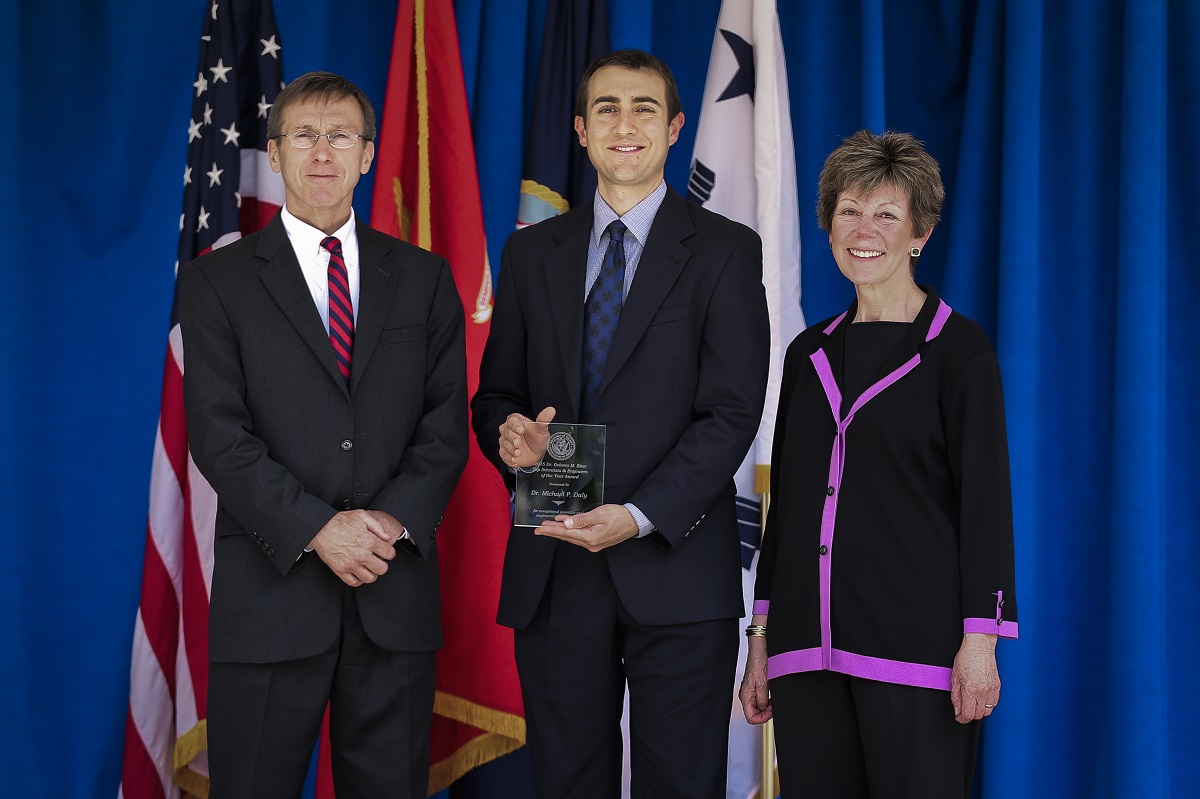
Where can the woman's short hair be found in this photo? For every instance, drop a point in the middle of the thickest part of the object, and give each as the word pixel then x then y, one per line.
pixel 864 162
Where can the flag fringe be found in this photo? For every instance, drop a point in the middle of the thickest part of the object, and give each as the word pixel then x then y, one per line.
pixel 508 725
pixel 546 195
pixel 476 752
pixel 187 748
pixel 503 733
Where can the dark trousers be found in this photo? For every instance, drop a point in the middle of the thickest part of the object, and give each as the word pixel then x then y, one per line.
pixel 264 719
pixel 574 660
pixel 845 737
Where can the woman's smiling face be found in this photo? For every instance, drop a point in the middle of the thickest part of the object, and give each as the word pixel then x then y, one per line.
pixel 872 236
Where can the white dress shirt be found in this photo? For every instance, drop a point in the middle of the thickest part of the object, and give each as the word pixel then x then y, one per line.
pixel 314 259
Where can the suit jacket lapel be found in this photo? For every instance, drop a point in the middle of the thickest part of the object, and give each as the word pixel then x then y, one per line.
pixel 378 278
pixel 663 258
pixel 283 279
pixel 564 268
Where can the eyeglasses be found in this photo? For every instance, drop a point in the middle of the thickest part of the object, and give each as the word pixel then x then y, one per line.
pixel 338 139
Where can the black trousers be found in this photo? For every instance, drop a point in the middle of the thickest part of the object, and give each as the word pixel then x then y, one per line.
pixel 264 719
pixel 849 738
pixel 574 660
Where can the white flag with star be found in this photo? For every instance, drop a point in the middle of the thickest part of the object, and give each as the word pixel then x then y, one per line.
pixel 744 167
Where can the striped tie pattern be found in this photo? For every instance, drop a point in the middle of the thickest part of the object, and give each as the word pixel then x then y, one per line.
pixel 601 314
pixel 341 310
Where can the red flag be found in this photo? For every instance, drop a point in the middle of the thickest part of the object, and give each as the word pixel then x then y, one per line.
pixel 229 190
pixel 427 192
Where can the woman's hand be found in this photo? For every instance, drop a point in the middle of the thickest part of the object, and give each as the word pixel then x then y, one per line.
pixel 754 694
pixel 975 680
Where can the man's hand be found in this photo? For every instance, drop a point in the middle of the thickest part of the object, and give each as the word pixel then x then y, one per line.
pixel 357 545
pixel 523 440
pixel 392 528
pixel 595 530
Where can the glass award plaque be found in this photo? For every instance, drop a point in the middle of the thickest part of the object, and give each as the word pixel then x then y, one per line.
pixel 569 480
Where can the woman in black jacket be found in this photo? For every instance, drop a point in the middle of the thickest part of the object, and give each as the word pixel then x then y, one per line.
pixel 887 565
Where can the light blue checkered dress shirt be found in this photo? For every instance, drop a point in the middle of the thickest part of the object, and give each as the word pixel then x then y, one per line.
pixel 637 220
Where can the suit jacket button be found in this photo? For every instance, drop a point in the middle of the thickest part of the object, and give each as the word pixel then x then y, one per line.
pixel 345 504
pixel 271 551
pixel 829 491
pixel 824 550
pixel 347 445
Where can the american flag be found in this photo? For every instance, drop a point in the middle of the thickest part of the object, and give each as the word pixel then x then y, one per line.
pixel 228 189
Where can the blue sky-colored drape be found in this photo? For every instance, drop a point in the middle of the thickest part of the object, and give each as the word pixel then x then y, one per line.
pixel 1065 133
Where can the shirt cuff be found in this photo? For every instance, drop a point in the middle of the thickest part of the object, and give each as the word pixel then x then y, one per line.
pixel 403 535
pixel 645 527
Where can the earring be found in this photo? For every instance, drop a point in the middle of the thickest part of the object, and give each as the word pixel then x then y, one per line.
pixel 915 252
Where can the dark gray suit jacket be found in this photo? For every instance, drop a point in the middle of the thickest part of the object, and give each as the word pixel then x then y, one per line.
pixel 286 445
pixel 682 396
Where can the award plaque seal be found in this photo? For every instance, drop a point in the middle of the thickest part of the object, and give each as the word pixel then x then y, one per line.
pixel 569 479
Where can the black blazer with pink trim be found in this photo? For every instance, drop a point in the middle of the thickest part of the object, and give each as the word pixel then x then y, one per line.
pixel 890 530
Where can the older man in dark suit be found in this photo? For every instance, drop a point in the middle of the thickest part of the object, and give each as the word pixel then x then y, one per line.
pixel 325 392
pixel 645 590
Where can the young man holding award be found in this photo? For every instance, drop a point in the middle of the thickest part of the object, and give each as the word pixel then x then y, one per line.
pixel 644 314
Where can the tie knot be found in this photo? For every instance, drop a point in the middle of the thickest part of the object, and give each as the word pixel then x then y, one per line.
pixel 331 243
pixel 616 231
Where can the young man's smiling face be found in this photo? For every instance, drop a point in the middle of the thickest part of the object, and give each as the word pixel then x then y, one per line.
pixel 627 133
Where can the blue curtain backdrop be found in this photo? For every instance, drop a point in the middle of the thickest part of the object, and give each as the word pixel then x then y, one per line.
pixel 1063 128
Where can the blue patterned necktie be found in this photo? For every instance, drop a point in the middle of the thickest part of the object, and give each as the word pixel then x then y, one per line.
pixel 600 315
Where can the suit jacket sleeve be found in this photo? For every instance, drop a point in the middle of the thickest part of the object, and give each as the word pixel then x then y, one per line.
pixel 732 366
pixel 765 572
pixel 977 444
pixel 260 492
pixel 503 385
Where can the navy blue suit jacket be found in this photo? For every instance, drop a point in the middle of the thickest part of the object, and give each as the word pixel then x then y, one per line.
pixel 682 397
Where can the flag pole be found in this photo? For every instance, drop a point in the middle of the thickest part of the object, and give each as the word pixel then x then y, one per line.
pixel 767 764
pixel 744 167
pixel 768 760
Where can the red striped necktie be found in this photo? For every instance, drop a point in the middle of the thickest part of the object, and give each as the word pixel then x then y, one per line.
pixel 341 310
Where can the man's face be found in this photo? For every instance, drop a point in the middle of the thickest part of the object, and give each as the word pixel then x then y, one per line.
pixel 626 131
pixel 319 182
